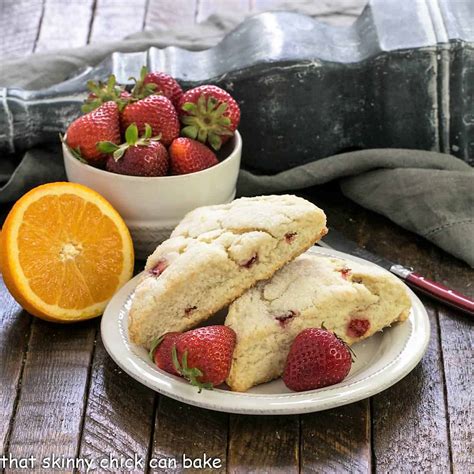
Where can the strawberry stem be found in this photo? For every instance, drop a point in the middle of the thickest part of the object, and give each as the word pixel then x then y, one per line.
pixel 131 139
pixel 206 121
pixel 104 92
pixel 154 345
pixel 140 89
pixel 191 374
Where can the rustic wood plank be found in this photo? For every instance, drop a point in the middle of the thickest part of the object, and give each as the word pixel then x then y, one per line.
pixel 119 416
pixel 58 31
pixel 458 358
pixel 206 8
pixel 457 342
pixel 409 419
pixel 14 332
pixel 170 15
pixel 20 22
pixel 115 19
pixel 182 429
pixel 337 440
pixel 263 444
pixel 51 404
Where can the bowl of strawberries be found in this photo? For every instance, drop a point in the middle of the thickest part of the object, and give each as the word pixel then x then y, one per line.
pixel 155 152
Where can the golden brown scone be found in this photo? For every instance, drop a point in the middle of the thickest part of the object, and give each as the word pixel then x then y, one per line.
pixel 214 255
pixel 348 298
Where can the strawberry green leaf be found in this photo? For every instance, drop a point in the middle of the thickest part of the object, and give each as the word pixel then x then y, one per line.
pixel 111 82
pixel 201 104
pixel 118 153
pixel 131 134
pixel 188 120
pixel 150 88
pixel 202 135
pixel 190 132
pixel 215 141
pixel 224 121
pixel 107 147
pixel 154 345
pixel 76 152
pixel 189 107
pixel 191 374
pixel 148 131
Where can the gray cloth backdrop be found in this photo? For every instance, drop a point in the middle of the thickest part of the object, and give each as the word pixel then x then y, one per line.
pixel 429 193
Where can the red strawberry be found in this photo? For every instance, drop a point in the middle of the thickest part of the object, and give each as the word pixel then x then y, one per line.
pixel 101 92
pixel 151 160
pixel 157 83
pixel 161 352
pixel 188 156
pixel 144 156
pixel 209 114
pixel 155 110
pixel 102 124
pixel 203 356
pixel 317 358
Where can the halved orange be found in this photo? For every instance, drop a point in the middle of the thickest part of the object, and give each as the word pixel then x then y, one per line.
pixel 64 252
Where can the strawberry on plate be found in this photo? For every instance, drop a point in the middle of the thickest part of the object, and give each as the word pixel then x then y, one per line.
pixel 158 112
pixel 144 156
pixel 209 114
pixel 102 124
pixel 203 356
pixel 158 83
pixel 161 352
pixel 317 358
pixel 188 156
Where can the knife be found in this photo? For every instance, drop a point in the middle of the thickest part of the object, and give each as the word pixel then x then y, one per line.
pixel 335 240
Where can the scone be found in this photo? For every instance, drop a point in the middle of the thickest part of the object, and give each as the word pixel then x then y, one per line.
pixel 350 299
pixel 214 255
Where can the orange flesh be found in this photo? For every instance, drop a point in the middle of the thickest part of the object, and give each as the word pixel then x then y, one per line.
pixel 70 252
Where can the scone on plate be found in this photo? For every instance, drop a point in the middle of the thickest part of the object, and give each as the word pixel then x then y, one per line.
pixel 348 298
pixel 214 255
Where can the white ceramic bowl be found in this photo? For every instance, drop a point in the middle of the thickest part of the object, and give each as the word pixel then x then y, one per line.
pixel 152 207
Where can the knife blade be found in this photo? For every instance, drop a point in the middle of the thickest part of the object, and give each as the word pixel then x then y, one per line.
pixel 337 241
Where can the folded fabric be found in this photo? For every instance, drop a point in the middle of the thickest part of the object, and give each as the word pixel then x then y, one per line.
pixel 428 193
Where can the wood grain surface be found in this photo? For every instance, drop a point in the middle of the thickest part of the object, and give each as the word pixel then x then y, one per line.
pixel 337 440
pixel 264 444
pixel 14 336
pixel 119 416
pixel 62 394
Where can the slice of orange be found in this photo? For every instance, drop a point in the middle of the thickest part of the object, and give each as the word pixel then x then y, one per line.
pixel 64 252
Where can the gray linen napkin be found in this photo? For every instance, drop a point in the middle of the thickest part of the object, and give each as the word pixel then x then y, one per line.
pixel 428 193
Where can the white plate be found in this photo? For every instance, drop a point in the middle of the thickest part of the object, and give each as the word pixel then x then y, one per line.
pixel 381 361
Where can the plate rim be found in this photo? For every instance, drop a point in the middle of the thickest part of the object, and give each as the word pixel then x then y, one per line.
pixel 251 403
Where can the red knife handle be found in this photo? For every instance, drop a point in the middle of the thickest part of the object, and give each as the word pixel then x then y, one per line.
pixel 441 293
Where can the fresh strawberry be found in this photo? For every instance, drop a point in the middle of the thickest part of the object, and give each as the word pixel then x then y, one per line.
pixel 144 156
pixel 157 83
pixel 102 124
pixel 158 112
pixel 161 352
pixel 188 156
pixel 101 92
pixel 203 356
pixel 209 114
pixel 317 358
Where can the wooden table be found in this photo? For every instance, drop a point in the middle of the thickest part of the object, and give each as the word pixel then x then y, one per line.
pixel 62 395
